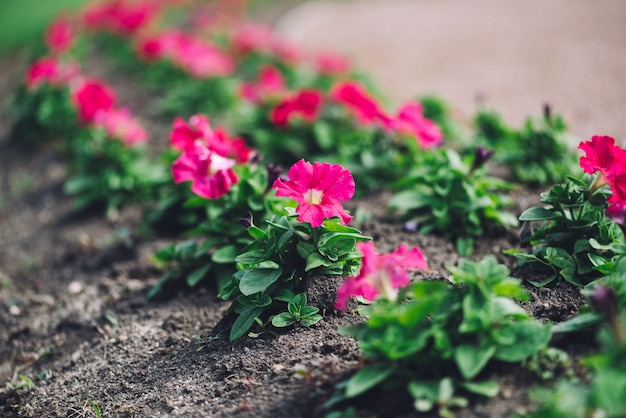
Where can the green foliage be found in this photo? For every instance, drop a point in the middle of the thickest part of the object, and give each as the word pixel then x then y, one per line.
pixel 450 195
pixel 220 236
pixel 437 110
pixel 576 240
pixel 104 171
pixel 297 312
pixel 537 154
pixel 438 339
pixel 272 268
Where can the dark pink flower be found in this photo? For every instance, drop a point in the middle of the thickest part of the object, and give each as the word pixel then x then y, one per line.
pixel 59 35
pixel 269 83
pixel 198 133
pixel 120 123
pixel 92 96
pixel 354 97
pixel 123 17
pixel 306 104
pixel 599 154
pixel 380 275
pixel 211 175
pixel 319 189
pixel 51 71
pixel 253 37
pixel 411 121
pixel 333 64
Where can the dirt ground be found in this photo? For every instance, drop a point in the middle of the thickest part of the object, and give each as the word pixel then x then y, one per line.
pixel 73 312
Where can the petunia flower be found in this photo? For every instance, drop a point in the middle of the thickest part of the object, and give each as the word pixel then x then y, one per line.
pixel 59 35
pixel 198 132
pixel 603 156
pixel 617 212
pixel 356 99
pixel 380 275
pixel 411 121
pixel 319 190
pixel 330 63
pixel 211 174
pixel 51 71
pixel 120 123
pixel 306 104
pixel 120 16
pixel 92 96
pixel 270 82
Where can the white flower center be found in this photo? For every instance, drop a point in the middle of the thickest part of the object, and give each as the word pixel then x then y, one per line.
pixel 314 196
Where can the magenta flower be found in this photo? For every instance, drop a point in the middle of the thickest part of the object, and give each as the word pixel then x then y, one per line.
pixel 92 96
pixel 602 155
pixel 617 212
pixel 48 70
pixel 119 123
pixel 319 190
pixel 411 121
pixel 306 104
pixel 59 35
pixel 333 64
pixel 198 133
pixel 120 16
pixel 380 275
pixel 253 37
pixel 270 82
pixel 356 99
pixel 211 175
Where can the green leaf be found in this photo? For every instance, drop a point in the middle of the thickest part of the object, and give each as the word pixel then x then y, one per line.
pixel 367 378
pixel 471 360
pixel 577 323
pixel 310 320
pixel 251 257
pixel 256 232
pixel 244 322
pixel 528 337
pixel 538 213
pixel 258 279
pixel 225 255
pixel 487 388
pixel 283 319
pixel 315 260
pixel 197 275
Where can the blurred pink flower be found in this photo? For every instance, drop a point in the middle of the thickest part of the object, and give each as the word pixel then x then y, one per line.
pixel 380 275
pixel 617 212
pixel 333 64
pixel 59 35
pixel 123 17
pixel 365 108
pixel 253 37
pixel 120 123
pixel 211 175
pixel 411 121
pixel 305 103
pixel 198 133
pixel 319 190
pixel 92 96
pixel 270 82
pixel 50 70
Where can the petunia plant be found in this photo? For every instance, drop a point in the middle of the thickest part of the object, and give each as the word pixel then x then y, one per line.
pixel 439 341
pixel 536 154
pixel 453 196
pixel 227 184
pixel 312 239
pixel 577 239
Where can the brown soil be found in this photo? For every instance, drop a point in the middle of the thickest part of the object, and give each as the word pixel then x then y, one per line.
pixel 75 320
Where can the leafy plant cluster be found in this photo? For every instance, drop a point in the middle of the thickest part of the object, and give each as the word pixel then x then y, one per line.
pixel 452 195
pixel 271 270
pixel 438 340
pixel 536 154
pixel 575 239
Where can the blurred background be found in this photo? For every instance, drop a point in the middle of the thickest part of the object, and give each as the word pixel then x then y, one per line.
pixel 512 56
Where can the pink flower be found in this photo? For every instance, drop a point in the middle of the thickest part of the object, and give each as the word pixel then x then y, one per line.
pixel 270 82
pixel 198 133
pixel 119 123
pixel 330 63
pixel 59 35
pixel 51 71
pixel 253 37
pixel 211 174
pixel 186 136
pixel 120 16
pixel 92 96
pixel 355 98
pixel 602 155
pixel 411 121
pixel 306 104
pixel 380 274
pixel 318 189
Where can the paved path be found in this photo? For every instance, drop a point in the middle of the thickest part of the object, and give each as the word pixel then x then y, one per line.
pixel 515 54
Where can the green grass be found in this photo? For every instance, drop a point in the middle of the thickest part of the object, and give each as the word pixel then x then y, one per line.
pixel 23 22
